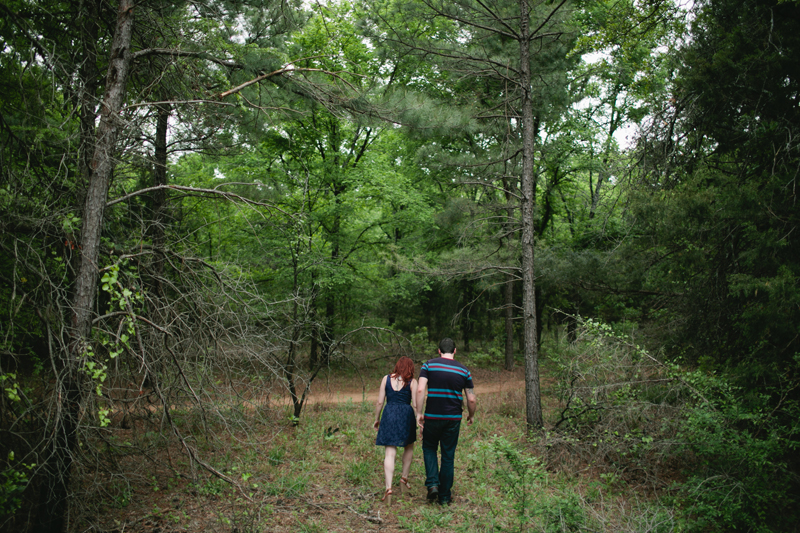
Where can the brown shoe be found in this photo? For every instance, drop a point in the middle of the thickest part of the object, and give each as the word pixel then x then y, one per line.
pixel 433 494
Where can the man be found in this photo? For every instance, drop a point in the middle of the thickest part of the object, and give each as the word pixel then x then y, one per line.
pixel 445 379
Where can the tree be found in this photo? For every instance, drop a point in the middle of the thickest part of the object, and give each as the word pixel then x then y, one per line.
pixel 512 48
pixel 721 160
pixel 60 354
pixel 343 202
pixel 57 468
pixel 584 169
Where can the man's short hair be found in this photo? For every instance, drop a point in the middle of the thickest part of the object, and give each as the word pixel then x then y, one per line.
pixel 447 346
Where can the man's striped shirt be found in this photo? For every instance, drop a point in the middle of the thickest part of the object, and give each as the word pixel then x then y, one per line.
pixel 447 379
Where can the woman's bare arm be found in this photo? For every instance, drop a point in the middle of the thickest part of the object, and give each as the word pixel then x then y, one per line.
pixel 379 403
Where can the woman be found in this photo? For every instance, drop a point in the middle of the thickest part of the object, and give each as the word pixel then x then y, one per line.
pixel 397 427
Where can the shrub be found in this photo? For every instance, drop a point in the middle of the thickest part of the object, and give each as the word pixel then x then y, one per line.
pixel 618 407
pixel 740 477
pixel 12 483
pixel 526 484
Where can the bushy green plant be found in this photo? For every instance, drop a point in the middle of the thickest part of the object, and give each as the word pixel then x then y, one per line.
pixel 275 456
pixel 619 406
pixel 13 481
pixel 491 358
pixel 536 501
pixel 420 342
pixel 740 478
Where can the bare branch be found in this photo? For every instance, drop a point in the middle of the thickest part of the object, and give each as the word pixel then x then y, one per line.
pixel 198 191
pixel 183 53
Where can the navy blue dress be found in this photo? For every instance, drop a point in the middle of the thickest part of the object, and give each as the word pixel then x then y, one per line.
pixel 398 423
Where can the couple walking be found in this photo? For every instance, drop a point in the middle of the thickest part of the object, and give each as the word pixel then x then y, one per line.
pixel 445 379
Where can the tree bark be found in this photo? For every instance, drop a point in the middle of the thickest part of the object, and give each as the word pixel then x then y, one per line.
pixel 90 15
pixel 509 305
pixel 508 302
pixel 102 166
pixel 160 195
pixel 533 403
pixel 55 488
pixel 466 323
pixel 602 174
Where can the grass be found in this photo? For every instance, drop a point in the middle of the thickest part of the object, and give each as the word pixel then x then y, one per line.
pixel 311 481
pixel 326 475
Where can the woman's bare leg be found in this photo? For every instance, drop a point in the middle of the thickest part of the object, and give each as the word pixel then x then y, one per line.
pixel 408 455
pixel 388 464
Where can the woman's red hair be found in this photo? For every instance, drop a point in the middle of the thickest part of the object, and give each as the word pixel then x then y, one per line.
pixel 404 368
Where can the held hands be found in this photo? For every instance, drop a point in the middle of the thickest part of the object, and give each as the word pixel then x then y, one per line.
pixel 421 420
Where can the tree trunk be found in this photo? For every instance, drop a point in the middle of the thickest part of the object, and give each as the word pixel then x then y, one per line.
pixel 89 15
pixel 291 366
pixel 509 305
pixel 602 174
pixel 313 351
pixel 160 196
pixel 466 324
pixel 533 403
pixel 53 505
pixel 89 75
pixel 328 327
pixel 508 301
pixel 102 166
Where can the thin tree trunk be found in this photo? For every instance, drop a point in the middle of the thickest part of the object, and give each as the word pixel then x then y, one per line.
pixel 466 324
pixel 291 366
pixel 90 16
pixel 53 505
pixel 328 329
pixel 533 403
pixel 102 166
pixel 603 173
pixel 508 296
pixel 509 305
pixel 314 350
pixel 160 195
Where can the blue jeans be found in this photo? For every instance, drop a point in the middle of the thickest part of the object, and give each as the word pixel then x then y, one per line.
pixel 438 433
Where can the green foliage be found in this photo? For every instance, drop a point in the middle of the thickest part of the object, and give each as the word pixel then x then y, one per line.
pixel 212 486
pixel 714 210
pixel 538 502
pixel 421 342
pixel 619 405
pixel 10 386
pixel 493 358
pixel 13 481
pixel 737 448
pixel 360 473
pixel 290 483
pixel 276 455
pixel 741 454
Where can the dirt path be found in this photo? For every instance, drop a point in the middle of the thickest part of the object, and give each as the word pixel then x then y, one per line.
pixel 485 383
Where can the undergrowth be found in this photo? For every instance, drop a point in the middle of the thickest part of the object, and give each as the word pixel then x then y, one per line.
pixel 633 444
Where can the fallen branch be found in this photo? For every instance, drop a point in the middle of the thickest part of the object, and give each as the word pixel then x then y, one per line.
pixel 373 519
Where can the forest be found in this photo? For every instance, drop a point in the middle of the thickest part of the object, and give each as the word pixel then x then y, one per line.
pixel 211 211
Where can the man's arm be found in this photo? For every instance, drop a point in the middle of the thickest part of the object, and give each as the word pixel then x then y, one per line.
pixel 414 395
pixel 423 384
pixel 472 404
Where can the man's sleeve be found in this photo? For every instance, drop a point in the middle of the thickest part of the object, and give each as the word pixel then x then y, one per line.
pixel 423 372
pixel 469 384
